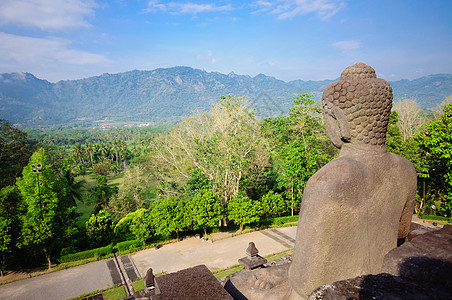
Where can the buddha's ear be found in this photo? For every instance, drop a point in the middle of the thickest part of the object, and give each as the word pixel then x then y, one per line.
pixel 342 123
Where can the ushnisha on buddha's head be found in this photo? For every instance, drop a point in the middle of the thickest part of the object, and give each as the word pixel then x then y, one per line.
pixel 356 109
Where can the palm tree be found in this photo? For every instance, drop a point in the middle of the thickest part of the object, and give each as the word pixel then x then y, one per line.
pixel 74 191
pixel 90 151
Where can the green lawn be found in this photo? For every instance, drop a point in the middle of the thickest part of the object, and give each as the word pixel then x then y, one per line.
pixel 115 293
pixel 86 207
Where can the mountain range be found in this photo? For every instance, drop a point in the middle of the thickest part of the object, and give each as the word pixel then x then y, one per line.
pixel 166 95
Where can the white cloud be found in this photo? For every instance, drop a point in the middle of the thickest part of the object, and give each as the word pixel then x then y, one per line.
pixel 287 9
pixel 47 14
pixel 209 57
pixel 347 45
pixel 27 52
pixel 186 8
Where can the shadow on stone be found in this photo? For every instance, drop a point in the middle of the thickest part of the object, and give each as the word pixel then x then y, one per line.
pixel 233 291
pixel 420 278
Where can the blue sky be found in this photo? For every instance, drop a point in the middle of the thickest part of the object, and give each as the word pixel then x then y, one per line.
pixel 287 39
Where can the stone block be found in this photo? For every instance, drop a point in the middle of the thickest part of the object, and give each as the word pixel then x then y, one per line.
pixel 192 283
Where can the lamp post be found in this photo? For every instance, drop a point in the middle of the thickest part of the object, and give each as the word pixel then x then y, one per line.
pixel 37 170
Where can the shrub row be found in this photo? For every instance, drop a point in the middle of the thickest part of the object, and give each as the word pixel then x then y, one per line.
pixel 128 245
pixel 98 252
pixel 433 217
pixel 279 221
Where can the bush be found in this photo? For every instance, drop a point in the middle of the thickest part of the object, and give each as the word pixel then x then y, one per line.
pixel 279 221
pixel 97 252
pixel 432 217
pixel 128 245
pixel 67 250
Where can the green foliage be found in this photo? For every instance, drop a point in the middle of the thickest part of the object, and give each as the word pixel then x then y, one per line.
pixel 103 192
pixel 128 245
pixel 298 143
pixel 408 148
pixel 274 204
pixel 206 209
pixel 279 221
pixel 14 152
pixel 96 252
pixel 433 217
pixel 5 234
pixel 99 228
pixel 197 181
pixel 6 240
pixel 47 214
pixel 142 226
pixel 244 210
pixel 169 215
pixel 123 227
pixel 436 143
pixel 135 192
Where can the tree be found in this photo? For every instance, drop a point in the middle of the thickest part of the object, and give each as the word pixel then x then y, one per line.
pixel 142 226
pixel 298 144
pixel 11 211
pixel 206 209
pixel 197 181
pixel 103 192
pixel 169 216
pixel 46 217
pixel 244 210
pixel 123 227
pixel 15 150
pixel 74 188
pixel 410 149
pixel 133 192
pixel 225 144
pixel 5 240
pixel 274 204
pixel 436 143
pixel 99 229
pixel 410 117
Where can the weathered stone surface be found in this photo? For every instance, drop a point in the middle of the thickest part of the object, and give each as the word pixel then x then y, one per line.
pixel 381 286
pixel 356 207
pixel 252 262
pixel 192 283
pixel 426 258
pixel 260 284
pixel 252 250
pixel 149 279
pixel 418 229
pixel 420 269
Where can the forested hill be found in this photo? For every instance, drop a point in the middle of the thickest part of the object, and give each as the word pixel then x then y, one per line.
pixel 166 95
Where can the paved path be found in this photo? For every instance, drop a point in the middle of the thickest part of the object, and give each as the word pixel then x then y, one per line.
pixel 172 257
pixel 61 284
pixel 220 254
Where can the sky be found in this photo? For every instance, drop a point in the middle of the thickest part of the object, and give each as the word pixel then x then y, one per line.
pixel 287 39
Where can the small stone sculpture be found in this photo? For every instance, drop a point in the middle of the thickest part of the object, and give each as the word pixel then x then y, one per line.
pixel 356 207
pixel 149 279
pixel 253 260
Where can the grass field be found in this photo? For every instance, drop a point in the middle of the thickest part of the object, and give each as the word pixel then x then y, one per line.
pixel 86 207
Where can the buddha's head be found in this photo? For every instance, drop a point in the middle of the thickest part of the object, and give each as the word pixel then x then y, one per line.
pixel 357 107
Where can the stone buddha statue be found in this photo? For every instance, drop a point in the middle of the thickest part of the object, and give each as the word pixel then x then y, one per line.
pixel 356 207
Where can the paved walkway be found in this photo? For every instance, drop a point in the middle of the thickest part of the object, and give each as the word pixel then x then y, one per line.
pixel 220 254
pixel 61 284
pixel 172 257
